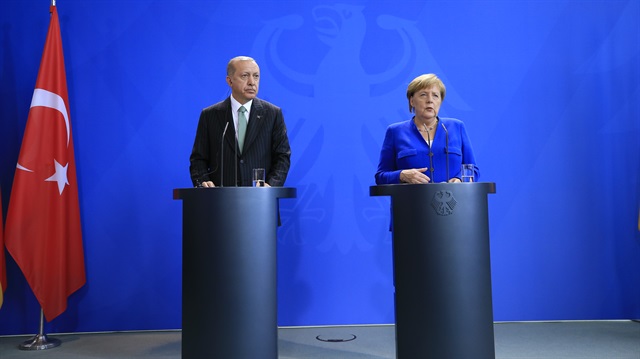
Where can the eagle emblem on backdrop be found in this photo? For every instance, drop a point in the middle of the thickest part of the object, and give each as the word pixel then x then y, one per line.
pixel 340 78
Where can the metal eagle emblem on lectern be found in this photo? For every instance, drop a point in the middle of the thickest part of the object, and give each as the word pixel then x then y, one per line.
pixel 443 202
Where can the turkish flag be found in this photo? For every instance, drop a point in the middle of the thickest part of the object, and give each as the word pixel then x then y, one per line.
pixel 43 232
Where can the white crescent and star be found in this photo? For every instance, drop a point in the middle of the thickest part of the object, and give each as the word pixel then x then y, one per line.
pixel 44 98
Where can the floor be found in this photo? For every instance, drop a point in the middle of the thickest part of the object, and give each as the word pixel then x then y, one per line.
pixel 531 340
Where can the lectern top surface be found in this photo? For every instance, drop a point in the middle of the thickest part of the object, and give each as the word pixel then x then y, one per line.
pixel 404 188
pixel 278 192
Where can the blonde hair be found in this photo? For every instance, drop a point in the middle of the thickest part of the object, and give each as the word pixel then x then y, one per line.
pixel 422 82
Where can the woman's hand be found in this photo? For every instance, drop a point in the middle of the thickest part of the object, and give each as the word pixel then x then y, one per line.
pixel 454 180
pixel 414 175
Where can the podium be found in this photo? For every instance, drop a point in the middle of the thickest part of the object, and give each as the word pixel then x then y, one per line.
pixel 442 269
pixel 229 294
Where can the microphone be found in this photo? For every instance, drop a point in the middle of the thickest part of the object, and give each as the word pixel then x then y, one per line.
pixel 446 146
pixel 224 132
pixel 430 153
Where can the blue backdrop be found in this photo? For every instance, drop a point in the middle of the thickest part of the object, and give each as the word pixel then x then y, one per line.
pixel 549 91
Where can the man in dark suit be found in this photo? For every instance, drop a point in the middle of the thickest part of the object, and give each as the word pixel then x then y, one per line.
pixel 255 136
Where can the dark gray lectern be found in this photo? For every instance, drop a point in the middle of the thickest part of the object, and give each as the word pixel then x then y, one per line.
pixel 229 305
pixel 442 270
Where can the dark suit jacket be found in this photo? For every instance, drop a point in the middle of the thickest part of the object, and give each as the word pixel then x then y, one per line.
pixel 266 146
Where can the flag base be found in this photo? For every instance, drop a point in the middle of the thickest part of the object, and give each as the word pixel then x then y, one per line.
pixel 40 342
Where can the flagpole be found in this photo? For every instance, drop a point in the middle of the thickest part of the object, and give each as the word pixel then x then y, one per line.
pixel 40 341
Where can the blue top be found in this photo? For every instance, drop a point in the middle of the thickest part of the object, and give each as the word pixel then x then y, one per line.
pixel 404 148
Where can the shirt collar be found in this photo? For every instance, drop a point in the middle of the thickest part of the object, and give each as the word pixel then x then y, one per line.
pixel 235 105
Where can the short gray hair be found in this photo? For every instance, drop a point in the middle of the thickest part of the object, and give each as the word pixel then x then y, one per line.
pixel 231 69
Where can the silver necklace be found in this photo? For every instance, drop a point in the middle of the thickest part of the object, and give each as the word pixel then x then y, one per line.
pixel 429 128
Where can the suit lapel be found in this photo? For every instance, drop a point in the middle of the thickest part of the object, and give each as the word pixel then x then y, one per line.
pixel 256 121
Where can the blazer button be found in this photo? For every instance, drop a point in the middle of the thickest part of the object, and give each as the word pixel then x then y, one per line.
pixel 242 161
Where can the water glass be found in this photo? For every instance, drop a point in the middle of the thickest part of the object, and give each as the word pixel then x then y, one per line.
pixel 467 173
pixel 258 177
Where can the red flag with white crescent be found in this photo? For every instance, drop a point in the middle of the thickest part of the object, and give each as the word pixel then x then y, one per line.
pixel 43 232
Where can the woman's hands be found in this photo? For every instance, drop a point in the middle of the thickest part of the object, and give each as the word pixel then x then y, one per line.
pixel 414 176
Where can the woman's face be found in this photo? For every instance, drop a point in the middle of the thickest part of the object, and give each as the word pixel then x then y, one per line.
pixel 426 102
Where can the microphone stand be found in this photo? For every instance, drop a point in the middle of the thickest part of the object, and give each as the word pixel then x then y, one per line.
pixel 235 159
pixel 224 132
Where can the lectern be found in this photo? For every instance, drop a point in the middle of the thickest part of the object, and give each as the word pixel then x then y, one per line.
pixel 442 270
pixel 229 303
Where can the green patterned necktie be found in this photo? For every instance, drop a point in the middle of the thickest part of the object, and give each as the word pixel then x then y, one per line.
pixel 242 126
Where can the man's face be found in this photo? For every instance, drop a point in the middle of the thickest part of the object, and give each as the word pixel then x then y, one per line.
pixel 244 81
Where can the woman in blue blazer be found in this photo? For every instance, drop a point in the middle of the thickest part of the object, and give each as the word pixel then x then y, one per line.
pixel 426 148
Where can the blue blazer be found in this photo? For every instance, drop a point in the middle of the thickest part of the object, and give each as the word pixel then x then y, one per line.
pixel 404 148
